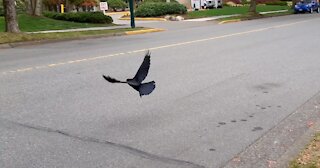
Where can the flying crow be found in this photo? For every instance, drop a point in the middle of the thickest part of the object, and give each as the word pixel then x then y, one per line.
pixel 136 81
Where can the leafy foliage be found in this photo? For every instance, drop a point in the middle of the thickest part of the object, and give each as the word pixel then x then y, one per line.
pixel 52 4
pixel 116 4
pixel 148 1
pixel 20 8
pixel 234 1
pixel 75 2
pixel 82 17
pixel 159 9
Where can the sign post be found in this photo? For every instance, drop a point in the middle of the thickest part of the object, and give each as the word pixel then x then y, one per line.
pixel 131 13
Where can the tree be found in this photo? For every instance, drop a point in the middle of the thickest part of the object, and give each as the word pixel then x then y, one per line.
pixel 34 7
pixel 77 3
pixel 10 15
pixel 51 5
pixel 88 4
pixel 253 7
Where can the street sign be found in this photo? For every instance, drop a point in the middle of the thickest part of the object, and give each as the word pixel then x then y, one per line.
pixel 103 6
pixel 196 4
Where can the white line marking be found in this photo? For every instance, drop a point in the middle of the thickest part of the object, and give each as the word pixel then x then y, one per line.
pixel 156 48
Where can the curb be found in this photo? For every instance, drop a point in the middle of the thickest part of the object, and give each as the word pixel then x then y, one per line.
pixel 145 19
pixel 4 46
pixel 115 13
pixel 282 143
pixel 229 21
pixel 143 31
pixel 25 43
pixel 37 42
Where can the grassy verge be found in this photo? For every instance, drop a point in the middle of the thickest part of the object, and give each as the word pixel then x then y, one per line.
pixel 310 157
pixel 249 17
pixel 31 23
pixel 19 37
pixel 232 10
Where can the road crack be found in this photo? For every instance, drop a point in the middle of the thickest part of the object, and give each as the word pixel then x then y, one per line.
pixel 117 146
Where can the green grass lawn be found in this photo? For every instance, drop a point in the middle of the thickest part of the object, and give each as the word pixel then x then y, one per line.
pixel 19 37
pixel 249 17
pixel 232 10
pixel 310 156
pixel 30 23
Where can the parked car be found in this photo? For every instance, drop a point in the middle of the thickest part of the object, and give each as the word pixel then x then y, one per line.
pixel 213 4
pixel 307 6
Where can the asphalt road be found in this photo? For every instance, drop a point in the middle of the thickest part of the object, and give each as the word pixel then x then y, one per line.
pixel 219 88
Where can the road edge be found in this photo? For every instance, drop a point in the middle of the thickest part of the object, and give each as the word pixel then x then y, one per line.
pixel 37 42
pixel 283 142
pixel 134 32
pixel 229 21
pixel 144 19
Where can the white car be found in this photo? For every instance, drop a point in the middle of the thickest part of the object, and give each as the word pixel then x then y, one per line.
pixel 213 4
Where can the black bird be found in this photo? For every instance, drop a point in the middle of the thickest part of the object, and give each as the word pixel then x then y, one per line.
pixel 136 81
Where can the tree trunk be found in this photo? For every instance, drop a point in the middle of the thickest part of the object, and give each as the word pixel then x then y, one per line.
pixel 38 8
pixel 253 7
pixel 68 6
pixel 11 22
pixel 34 7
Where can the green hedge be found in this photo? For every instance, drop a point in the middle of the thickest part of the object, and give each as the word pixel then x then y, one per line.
pixel 117 4
pixel 83 17
pixel 148 1
pixel 159 9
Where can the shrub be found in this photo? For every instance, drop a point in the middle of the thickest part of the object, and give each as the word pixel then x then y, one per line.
pixel 280 3
pixel 271 2
pixel 159 9
pixel 233 1
pixel 20 6
pixel 117 4
pixel 148 1
pixel 83 17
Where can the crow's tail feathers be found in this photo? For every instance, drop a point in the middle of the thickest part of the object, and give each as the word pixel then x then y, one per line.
pixel 146 88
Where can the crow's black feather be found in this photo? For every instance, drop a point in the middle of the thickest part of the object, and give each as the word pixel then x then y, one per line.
pixel 112 80
pixel 136 81
pixel 144 69
pixel 146 88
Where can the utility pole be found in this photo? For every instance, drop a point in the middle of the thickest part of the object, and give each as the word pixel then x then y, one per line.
pixel 132 13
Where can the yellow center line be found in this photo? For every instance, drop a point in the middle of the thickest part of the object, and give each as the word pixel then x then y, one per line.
pixel 24 69
pixel 155 48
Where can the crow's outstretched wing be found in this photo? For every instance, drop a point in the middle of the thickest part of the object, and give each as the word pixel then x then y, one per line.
pixel 112 80
pixel 146 88
pixel 144 69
